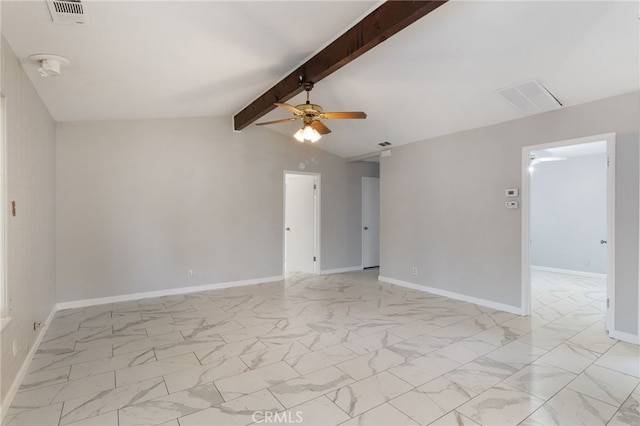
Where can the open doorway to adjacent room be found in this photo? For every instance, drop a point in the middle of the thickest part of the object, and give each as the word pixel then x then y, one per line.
pixel 568 210
pixel 301 222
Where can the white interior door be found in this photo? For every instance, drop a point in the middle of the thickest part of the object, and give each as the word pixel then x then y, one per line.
pixel 300 223
pixel 370 222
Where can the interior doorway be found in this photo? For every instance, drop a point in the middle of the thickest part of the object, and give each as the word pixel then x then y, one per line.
pixel 568 213
pixel 301 222
pixel 370 222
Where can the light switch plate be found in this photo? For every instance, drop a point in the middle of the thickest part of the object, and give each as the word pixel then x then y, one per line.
pixel 511 192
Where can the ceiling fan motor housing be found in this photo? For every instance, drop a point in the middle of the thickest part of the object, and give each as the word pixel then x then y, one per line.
pixel 310 109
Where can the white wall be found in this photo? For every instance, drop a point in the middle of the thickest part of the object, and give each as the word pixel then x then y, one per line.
pixel 569 214
pixel 141 202
pixel 443 204
pixel 30 174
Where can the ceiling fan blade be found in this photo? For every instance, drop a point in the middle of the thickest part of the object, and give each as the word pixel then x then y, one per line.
pixel 320 127
pixel 343 115
pixel 290 108
pixel 283 120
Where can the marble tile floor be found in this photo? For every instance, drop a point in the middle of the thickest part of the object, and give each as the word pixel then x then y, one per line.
pixel 341 349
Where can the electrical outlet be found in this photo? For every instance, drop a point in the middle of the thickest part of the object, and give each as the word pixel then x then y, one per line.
pixel 15 347
pixel 414 270
pixel 190 273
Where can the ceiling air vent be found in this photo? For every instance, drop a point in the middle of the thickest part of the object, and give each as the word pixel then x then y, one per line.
pixel 530 97
pixel 67 12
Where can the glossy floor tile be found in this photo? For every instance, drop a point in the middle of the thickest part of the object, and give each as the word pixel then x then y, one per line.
pixel 339 349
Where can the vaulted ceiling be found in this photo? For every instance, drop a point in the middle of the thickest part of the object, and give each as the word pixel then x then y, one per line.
pixel 153 59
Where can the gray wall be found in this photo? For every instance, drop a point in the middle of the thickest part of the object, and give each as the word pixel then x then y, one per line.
pixel 30 235
pixel 442 204
pixel 141 202
pixel 569 214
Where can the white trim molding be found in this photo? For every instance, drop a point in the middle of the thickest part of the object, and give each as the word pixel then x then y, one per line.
pixel 625 337
pixel 452 295
pixel 4 322
pixel 568 272
pixel 3 218
pixel 17 381
pixel 168 292
pixel 341 270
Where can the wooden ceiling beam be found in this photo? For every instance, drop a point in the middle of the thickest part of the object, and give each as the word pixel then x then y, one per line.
pixel 387 20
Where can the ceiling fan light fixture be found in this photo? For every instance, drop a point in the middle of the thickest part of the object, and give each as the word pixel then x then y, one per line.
pixel 307 133
pixel 299 135
pixel 311 134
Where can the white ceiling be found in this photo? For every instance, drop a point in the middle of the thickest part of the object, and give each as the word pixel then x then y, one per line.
pixel 151 59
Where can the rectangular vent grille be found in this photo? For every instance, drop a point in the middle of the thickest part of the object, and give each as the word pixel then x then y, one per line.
pixel 530 97
pixel 67 12
pixel 68 7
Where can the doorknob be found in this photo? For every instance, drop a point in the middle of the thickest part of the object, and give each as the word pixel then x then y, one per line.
pixel 603 242
pixel 366 227
pixel 287 229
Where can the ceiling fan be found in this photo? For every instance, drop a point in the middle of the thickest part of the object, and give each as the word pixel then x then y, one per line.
pixel 312 128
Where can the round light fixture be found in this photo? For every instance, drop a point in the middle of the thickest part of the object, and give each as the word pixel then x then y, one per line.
pixel 49 65
pixel 307 133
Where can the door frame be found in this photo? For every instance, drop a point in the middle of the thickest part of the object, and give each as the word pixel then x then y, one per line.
pixel 4 314
pixel 364 178
pixel 610 139
pixel 316 220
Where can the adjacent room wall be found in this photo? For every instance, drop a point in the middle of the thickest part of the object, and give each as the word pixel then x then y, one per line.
pixel 569 214
pixel 30 235
pixel 443 206
pixel 141 202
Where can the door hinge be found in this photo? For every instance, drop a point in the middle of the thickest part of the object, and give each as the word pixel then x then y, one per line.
pixel 607 161
pixel 314 258
pixel 607 303
pixel 315 186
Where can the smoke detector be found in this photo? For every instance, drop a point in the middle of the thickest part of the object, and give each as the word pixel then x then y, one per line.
pixel 49 65
pixel 68 12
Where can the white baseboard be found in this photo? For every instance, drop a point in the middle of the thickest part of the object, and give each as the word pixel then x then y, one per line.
pixel 159 293
pixel 452 295
pixel 568 272
pixel 625 337
pixel 341 270
pixel 17 381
